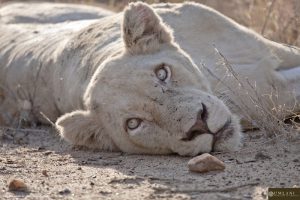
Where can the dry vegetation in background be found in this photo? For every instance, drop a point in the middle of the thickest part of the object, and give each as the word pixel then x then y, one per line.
pixel 278 20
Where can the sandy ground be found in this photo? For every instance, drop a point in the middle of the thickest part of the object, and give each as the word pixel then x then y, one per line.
pixel 73 173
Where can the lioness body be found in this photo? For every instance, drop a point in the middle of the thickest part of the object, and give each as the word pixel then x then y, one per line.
pixel 51 65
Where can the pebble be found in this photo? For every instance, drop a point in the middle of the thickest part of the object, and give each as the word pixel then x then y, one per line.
pixel 44 172
pixel 47 153
pixel 262 156
pixel 64 192
pixel 17 185
pixel 247 196
pixel 205 163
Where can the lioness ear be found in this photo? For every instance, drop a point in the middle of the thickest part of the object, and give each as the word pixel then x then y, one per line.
pixel 80 128
pixel 143 29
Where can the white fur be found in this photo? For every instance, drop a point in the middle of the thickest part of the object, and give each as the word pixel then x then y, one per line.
pixel 93 75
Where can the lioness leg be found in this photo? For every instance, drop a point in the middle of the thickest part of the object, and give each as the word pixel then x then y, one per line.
pixel 289 56
pixel 15 112
pixel 293 80
pixel 8 112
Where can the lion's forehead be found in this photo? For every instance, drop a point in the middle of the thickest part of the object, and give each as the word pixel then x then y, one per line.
pixel 139 74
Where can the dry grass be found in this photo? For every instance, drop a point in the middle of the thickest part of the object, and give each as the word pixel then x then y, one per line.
pixel 257 110
pixel 278 20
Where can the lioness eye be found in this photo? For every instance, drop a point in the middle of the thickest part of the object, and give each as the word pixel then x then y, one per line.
pixel 162 73
pixel 133 123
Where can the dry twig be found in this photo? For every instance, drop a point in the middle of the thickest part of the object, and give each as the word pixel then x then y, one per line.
pixel 226 189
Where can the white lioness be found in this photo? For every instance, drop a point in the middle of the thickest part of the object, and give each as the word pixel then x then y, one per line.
pixel 135 81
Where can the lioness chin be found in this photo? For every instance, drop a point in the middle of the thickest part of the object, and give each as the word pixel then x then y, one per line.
pixel 133 87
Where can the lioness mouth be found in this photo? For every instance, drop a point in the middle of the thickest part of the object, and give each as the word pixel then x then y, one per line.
pixel 192 135
pixel 226 131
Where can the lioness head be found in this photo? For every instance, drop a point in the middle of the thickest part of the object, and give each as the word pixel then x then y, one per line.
pixel 151 99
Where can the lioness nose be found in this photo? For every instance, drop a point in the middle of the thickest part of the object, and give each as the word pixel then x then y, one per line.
pixel 200 126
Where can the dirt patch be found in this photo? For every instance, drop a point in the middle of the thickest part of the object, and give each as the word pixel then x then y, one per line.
pixel 83 174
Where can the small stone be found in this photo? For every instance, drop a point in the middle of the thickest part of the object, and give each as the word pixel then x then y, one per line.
pixel 105 192
pixel 205 163
pixel 47 153
pixel 64 192
pixel 44 172
pixel 41 148
pixel 17 185
pixel 247 196
pixel 8 161
pixel 262 156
